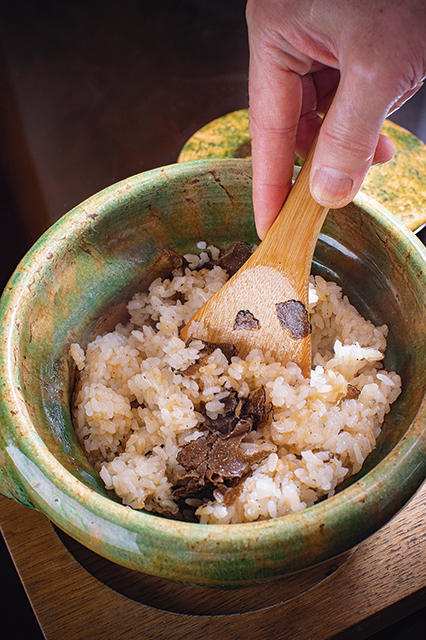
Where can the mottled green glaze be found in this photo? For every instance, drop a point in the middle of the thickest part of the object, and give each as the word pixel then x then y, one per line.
pixel 400 185
pixel 74 283
pixel 225 137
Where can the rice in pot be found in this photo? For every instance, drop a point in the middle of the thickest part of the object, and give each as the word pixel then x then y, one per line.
pixel 182 429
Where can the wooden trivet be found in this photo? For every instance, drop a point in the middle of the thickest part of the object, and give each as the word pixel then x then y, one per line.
pixel 79 595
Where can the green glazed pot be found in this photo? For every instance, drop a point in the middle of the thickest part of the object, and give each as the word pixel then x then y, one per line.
pixel 74 284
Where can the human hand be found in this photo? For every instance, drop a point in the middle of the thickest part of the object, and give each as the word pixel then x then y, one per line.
pixel 300 50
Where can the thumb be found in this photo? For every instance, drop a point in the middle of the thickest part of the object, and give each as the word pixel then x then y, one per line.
pixel 348 144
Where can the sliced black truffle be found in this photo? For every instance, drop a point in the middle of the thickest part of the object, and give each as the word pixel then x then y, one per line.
pixel 216 461
pixel 294 318
pixel 256 407
pixel 222 424
pixel 193 458
pixel 193 454
pixel 233 257
pixel 175 259
pixel 352 393
pixel 246 320
pixel 228 351
pixel 226 422
pixel 226 460
pixel 232 403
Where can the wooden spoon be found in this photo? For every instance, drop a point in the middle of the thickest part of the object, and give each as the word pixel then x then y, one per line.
pixel 264 305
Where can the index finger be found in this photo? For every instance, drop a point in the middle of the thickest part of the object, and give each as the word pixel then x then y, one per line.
pixel 274 112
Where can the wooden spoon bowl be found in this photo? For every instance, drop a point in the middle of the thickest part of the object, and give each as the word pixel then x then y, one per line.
pixel 264 305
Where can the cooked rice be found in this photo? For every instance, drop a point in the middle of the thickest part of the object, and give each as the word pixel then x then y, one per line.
pixel 135 407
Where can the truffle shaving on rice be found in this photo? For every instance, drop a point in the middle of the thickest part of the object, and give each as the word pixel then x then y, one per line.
pixel 190 430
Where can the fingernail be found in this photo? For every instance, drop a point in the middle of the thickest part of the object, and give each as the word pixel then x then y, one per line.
pixel 330 186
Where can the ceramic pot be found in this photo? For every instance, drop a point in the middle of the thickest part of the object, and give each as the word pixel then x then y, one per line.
pixel 74 284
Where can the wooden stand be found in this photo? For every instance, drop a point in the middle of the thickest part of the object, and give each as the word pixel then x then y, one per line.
pixel 77 594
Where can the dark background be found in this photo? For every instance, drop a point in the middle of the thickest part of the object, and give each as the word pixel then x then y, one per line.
pixel 92 92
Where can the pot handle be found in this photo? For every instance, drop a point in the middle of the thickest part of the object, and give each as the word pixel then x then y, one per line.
pixel 10 487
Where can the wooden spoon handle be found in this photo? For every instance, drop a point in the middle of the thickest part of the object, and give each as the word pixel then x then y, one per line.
pixel 271 288
pixel 294 233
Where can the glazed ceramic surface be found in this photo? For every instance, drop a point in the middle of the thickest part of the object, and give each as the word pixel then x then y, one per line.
pixel 74 284
pixel 400 185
